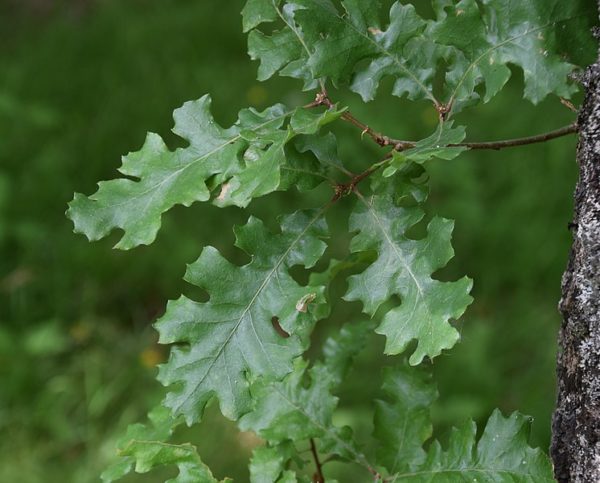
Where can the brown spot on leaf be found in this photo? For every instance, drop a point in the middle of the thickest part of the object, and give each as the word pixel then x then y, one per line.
pixel 302 304
pixel 224 190
pixel 278 328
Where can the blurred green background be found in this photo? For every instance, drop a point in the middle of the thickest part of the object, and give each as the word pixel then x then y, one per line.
pixel 81 83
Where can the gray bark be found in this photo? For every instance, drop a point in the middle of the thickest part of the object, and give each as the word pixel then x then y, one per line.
pixel 576 424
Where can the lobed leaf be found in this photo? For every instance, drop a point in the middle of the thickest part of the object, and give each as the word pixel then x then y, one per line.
pixel 402 52
pixel 145 448
pixel 284 51
pixel 404 268
pixel 268 464
pixel 438 145
pixel 245 159
pixel 402 420
pixel 340 41
pixel 402 425
pixel 469 43
pixel 502 454
pixel 256 12
pixel 301 406
pixel 490 36
pixel 256 322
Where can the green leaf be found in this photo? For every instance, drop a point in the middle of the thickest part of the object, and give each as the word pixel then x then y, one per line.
pixel 256 321
pixel 503 448
pixel 337 40
pixel 402 425
pixel 402 421
pixel 261 174
pixel 246 159
pixel 303 170
pixel 274 52
pixel 339 350
pixel 475 42
pixel 319 41
pixel 289 411
pixel 144 448
pixel 403 53
pixel 301 406
pixel 499 33
pixel 502 454
pixel 324 149
pixel 256 12
pixel 268 464
pixel 284 51
pixel 434 146
pixel 340 41
pixel 404 267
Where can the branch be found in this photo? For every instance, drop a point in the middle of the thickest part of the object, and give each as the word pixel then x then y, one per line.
pixel 509 143
pixel 346 188
pixel 323 99
pixel 318 476
pixel 343 189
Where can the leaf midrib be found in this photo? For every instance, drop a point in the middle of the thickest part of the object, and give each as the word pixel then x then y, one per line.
pixel 204 156
pixel 395 249
pixel 394 59
pixel 248 307
pixel 497 46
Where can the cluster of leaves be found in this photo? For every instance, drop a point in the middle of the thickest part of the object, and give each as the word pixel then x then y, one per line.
pixel 469 43
pixel 244 346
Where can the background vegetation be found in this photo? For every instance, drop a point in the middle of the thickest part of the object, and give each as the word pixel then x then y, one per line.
pixel 80 84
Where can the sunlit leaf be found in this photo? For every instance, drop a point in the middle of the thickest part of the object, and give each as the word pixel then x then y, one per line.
pixel 245 160
pixel 404 268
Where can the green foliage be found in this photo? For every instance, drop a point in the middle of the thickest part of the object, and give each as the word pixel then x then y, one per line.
pixel 301 406
pixel 248 157
pixel 402 425
pixel 229 341
pixel 268 464
pixel 245 347
pixel 434 146
pixel 473 41
pixel 143 448
pixel 501 454
pixel 503 32
pixel 404 267
pixel 401 420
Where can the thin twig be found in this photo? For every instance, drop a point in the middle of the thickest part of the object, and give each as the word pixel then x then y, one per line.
pixel 343 189
pixel 318 476
pixel 509 143
pixel 323 99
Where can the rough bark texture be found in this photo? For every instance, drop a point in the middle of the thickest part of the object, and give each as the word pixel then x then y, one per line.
pixel 576 424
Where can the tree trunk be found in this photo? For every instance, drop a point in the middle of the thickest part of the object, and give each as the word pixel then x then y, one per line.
pixel 576 425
